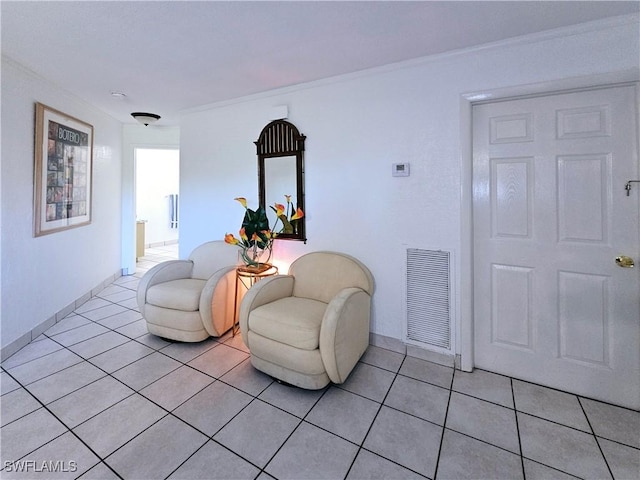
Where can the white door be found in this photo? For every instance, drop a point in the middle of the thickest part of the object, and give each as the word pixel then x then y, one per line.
pixel 551 214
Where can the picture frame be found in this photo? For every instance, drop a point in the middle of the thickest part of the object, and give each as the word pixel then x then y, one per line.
pixel 63 171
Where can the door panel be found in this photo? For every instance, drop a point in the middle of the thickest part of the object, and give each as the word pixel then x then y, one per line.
pixel 511 306
pixel 550 216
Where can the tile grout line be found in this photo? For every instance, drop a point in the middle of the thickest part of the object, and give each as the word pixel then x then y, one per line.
pixel 302 420
pixel 515 414
pixel 444 426
pixel 375 417
pixel 606 462
pixel 188 458
pixel 516 411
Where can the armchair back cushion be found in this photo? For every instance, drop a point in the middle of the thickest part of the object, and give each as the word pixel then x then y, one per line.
pixel 209 257
pixel 321 275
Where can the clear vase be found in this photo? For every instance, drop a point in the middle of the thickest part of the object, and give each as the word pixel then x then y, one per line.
pixel 256 258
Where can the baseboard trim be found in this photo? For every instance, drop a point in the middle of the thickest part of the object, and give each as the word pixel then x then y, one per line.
pixel 388 343
pixel 161 244
pixel 24 340
pixel 445 359
pixel 397 345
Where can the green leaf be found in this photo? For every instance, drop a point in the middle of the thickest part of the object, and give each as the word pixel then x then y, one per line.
pixel 255 222
pixel 286 225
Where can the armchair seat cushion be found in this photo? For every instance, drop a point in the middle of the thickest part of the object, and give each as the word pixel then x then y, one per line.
pixel 291 321
pixel 182 294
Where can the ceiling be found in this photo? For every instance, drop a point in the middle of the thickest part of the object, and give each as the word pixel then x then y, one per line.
pixel 172 56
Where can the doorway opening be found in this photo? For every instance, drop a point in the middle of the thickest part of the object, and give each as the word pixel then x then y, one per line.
pixel 157 173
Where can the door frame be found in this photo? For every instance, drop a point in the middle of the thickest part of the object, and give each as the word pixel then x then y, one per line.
pixel 465 332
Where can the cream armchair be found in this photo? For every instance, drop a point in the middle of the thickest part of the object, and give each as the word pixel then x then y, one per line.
pixel 310 327
pixel 190 300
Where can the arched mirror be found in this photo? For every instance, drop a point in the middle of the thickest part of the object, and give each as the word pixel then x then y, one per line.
pixel 280 149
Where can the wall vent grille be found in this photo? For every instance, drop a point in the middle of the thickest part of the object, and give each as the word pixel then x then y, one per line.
pixel 429 297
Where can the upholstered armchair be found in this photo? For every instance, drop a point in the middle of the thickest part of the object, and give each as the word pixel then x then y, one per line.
pixel 310 327
pixel 190 300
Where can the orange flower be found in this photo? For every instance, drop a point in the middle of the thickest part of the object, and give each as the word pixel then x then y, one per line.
pixel 229 238
pixel 242 200
pixel 279 209
pixel 299 214
pixel 267 233
pixel 243 235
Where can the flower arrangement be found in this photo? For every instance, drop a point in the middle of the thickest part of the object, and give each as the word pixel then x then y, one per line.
pixel 256 238
pixel 286 215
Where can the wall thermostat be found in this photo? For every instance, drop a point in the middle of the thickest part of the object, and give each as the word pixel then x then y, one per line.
pixel 400 170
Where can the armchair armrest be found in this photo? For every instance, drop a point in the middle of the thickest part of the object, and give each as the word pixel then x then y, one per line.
pixel 344 333
pixel 216 301
pixel 265 291
pixel 163 272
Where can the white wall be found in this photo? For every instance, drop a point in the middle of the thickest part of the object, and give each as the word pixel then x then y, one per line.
pixel 356 127
pixel 157 177
pixel 43 275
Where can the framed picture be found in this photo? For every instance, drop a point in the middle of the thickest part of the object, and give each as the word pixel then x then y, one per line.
pixel 62 173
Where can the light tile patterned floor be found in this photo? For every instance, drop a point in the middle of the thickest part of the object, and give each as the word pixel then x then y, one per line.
pixel 97 397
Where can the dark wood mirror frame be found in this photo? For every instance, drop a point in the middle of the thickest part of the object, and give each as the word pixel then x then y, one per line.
pixel 282 139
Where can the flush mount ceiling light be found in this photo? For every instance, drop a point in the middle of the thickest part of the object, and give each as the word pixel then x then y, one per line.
pixel 145 118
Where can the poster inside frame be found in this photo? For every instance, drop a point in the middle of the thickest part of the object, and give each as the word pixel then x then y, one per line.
pixel 62 172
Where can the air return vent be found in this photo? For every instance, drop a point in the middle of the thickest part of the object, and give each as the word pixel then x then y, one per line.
pixel 429 297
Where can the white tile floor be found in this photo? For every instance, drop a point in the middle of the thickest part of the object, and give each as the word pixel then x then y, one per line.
pixel 98 397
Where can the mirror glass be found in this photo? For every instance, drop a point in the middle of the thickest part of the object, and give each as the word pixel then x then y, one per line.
pixel 280 180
